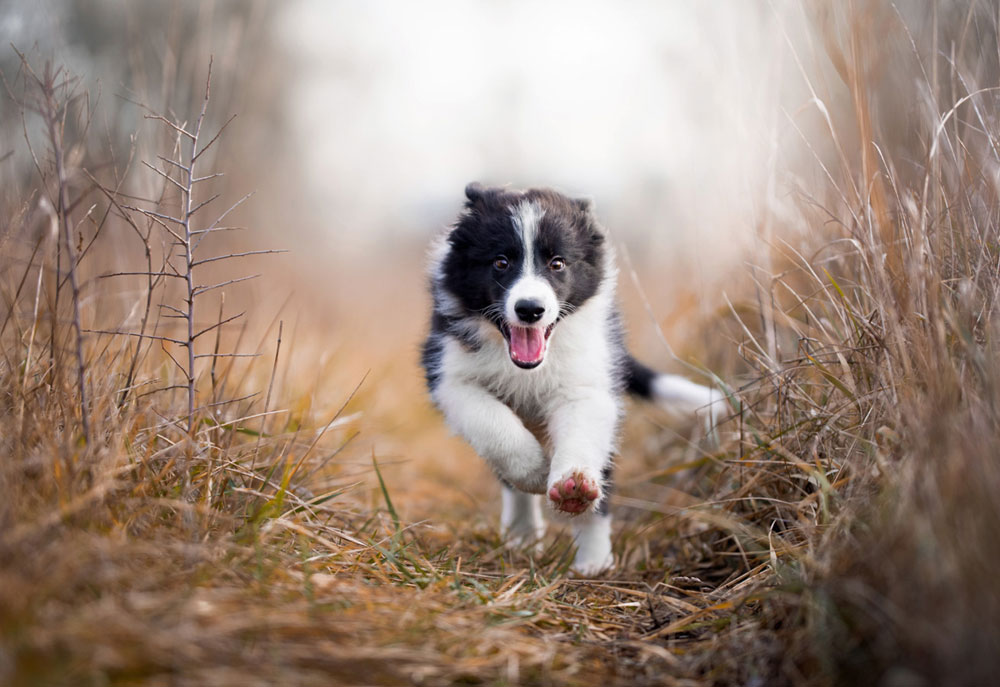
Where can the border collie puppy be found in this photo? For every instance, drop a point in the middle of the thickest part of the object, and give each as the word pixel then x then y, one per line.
pixel 526 358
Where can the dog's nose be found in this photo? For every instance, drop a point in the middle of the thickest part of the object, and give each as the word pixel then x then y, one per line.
pixel 529 311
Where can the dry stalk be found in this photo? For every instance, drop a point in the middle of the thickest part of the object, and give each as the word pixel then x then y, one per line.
pixel 182 170
pixel 55 94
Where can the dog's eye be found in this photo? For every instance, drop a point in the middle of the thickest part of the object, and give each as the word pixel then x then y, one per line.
pixel 557 264
pixel 501 263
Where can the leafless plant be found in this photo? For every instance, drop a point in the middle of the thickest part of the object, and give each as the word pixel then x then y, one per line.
pixel 182 170
pixel 50 96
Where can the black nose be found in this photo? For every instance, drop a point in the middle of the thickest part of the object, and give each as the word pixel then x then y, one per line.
pixel 529 311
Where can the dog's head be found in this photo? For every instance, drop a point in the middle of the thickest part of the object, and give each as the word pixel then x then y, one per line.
pixel 522 261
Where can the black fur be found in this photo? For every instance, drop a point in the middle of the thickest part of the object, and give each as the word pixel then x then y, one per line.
pixel 638 378
pixel 486 230
pixel 608 482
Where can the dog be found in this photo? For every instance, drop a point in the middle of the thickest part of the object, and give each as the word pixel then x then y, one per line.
pixel 526 358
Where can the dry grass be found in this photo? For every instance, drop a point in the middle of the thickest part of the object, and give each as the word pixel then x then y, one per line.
pixel 305 524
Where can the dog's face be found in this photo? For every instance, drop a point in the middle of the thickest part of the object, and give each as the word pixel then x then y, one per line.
pixel 523 260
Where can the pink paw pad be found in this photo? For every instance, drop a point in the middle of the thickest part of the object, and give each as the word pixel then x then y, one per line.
pixel 574 494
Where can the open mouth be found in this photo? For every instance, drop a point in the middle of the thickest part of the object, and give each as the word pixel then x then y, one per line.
pixel 527 345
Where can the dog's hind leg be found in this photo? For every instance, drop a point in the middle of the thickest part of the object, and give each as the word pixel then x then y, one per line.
pixel 592 534
pixel 521 520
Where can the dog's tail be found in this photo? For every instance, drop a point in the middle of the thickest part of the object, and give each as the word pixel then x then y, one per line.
pixel 674 393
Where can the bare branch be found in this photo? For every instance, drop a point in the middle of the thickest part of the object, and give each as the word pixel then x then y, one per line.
pixel 214 138
pixel 148 336
pixel 175 362
pixel 24 278
pixel 166 121
pixel 228 401
pixel 153 213
pixel 165 388
pixel 164 175
pixel 218 324
pixel 238 255
pixel 139 274
pixel 233 207
pixel 176 310
pixel 228 355
pixel 212 230
pixel 198 180
pixel 175 163
pixel 203 203
pixel 50 113
pixel 202 289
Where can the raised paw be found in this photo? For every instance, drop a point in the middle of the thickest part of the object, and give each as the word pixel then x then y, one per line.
pixel 574 493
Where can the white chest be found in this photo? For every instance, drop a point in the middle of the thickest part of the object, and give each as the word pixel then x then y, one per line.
pixel 579 362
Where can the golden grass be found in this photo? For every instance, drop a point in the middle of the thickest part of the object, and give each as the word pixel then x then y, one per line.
pixel 324 529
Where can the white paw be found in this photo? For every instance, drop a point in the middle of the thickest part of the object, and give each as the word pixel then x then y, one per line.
pixel 591 564
pixel 593 545
pixel 521 537
pixel 521 522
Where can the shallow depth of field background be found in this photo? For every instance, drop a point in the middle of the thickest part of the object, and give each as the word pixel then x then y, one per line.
pixel 803 199
pixel 359 125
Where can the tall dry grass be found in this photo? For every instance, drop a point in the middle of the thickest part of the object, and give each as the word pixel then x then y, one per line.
pixel 236 530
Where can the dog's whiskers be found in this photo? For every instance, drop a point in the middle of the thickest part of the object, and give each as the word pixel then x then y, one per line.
pixel 566 308
pixel 493 311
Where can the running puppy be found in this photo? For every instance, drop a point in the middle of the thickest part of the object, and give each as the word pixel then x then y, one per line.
pixel 526 358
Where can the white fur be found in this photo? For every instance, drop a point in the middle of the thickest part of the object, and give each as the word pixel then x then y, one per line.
pixel 437 254
pixel 530 286
pixel 592 534
pixel 521 518
pixel 674 390
pixel 490 426
pixel 571 394
pixel 677 393
pixel 526 218
pixel 534 289
pixel 484 396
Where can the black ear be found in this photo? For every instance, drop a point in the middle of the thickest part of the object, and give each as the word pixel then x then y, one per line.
pixel 474 191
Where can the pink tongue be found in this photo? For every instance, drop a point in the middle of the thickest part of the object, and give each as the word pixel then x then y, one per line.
pixel 527 345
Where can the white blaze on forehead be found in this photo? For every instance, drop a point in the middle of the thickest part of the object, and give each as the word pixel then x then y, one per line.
pixel 527 216
pixel 529 286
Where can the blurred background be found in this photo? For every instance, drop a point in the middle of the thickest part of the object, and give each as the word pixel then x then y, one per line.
pixel 359 124
pixel 704 133
pixel 804 197
pixel 697 129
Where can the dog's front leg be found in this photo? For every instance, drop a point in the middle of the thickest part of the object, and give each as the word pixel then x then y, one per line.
pixel 583 430
pixel 496 433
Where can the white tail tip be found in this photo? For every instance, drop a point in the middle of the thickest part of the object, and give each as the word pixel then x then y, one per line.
pixel 677 394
